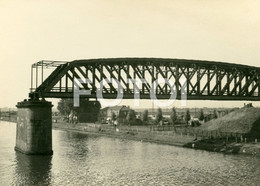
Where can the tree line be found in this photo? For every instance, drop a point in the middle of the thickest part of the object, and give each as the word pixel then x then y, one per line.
pixel 130 118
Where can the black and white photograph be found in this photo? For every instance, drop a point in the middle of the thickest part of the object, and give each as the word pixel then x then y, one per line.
pixel 129 92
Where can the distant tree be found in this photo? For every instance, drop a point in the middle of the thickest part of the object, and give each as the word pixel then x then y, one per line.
pixel 65 106
pixel 215 114
pixel 90 108
pixel 201 117
pixel 187 116
pixel 173 116
pixel 113 117
pixel 130 118
pixel 145 116
pixel 159 115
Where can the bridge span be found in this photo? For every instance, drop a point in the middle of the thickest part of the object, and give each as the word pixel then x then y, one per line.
pixel 205 80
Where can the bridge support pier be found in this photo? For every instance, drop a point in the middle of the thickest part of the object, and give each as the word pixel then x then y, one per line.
pixel 34 128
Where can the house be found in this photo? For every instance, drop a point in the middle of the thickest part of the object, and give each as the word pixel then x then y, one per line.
pixel 106 113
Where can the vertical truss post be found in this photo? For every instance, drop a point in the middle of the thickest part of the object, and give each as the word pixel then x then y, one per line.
pixel 235 82
pixel 119 74
pixel 208 80
pixel 217 82
pixel 228 80
pixel 86 72
pixel 31 78
pixel 128 76
pixel 73 76
pixel 166 76
pixel 220 81
pixel 143 74
pixel 36 76
pixel 240 83
pixel 198 81
pixel 93 76
pixel 156 75
pixel 188 80
pixel 135 70
pixel 60 84
pixel 177 79
pixel 66 82
pixel 247 84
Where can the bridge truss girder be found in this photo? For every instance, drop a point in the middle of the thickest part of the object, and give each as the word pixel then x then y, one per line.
pixel 205 80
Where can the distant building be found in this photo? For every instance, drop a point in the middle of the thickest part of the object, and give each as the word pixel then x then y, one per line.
pixel 120 112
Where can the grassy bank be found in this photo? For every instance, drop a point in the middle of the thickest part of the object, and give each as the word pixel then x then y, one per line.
pixel 238 121
pixel 162 137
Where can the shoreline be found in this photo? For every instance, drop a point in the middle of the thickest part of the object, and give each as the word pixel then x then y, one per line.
pixel 175 140
pixel 211 145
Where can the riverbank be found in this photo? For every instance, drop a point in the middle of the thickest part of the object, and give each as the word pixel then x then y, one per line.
pixel 166 137
pixel 162 137
pixel 220 145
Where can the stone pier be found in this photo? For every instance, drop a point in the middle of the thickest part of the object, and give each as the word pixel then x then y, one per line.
pixel 34 128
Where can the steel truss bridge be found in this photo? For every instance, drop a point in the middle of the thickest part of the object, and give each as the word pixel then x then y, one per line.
pixel 205 80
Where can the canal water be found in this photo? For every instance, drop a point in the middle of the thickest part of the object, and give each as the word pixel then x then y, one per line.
pixel 85 159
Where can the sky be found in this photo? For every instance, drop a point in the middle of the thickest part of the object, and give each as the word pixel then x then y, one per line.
pixel 66 30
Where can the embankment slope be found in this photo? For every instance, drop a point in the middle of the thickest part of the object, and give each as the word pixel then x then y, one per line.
pixel 245 121
pixel 239 121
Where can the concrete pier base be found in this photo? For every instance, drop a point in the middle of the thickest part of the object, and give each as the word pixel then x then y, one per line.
pixel 34 128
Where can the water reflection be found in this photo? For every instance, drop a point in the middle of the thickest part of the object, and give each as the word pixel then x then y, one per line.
pixel 72 144
pixel 32 170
